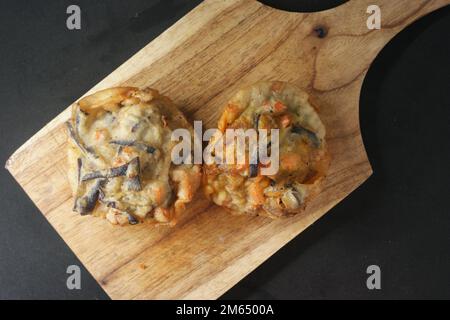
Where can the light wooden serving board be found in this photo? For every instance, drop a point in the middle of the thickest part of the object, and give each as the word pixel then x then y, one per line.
pixel 200 62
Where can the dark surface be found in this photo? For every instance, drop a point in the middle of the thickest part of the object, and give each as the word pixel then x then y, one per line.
pixel 399 219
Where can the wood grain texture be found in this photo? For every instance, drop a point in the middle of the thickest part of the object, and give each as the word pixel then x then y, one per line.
pixel 200 62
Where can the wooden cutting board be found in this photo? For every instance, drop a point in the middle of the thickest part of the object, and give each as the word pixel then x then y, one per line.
pixel 200 62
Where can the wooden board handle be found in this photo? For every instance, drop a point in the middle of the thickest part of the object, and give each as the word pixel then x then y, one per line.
pixel 345 36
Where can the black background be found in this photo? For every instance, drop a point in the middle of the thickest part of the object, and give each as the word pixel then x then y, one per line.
pixel 399 219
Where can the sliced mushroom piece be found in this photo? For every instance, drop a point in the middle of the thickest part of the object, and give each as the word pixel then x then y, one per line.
pixel 79 187
pixel 73 136
pixel 80 116
pixel 85 203
pixel 95 175
pixel 132 220
pixel 292 198
pixel 133 181
pixel 110 203
pixel 136 126
pixel 131 170
pixel 89 152
pixel 133 184
pixel 133 143
pixel 298 129
pixel 107 173
pixel 79 167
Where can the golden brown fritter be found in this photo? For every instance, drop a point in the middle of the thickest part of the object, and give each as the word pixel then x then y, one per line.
pixel 303 157
pixel 119 157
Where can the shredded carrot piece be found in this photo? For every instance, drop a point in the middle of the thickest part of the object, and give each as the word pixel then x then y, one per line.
pixel 98 134
pixel 128 150
pixel 279 107
pixel 285 120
